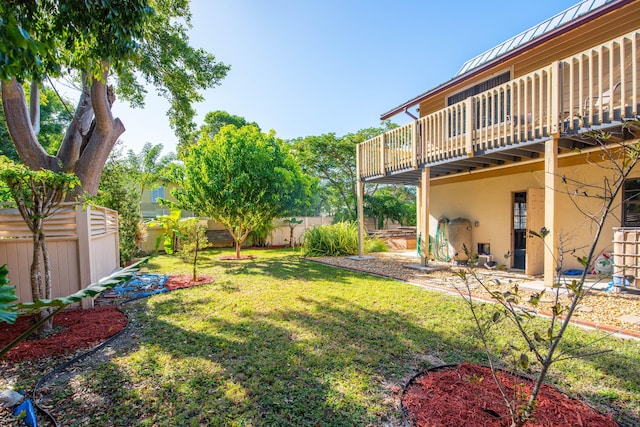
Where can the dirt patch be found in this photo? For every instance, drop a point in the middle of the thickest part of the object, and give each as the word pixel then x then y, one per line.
pixel 467 395
pixel 235 258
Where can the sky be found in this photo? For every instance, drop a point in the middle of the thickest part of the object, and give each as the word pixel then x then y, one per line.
pixel 310 67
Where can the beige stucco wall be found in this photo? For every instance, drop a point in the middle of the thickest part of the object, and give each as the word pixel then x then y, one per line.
pixel 487 200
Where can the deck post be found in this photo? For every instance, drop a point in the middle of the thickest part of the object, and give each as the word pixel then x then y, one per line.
pixel 360 209
pixel 383 160
pixel 468 126
pixel 414 144
pixel 423 214
pixel 550 197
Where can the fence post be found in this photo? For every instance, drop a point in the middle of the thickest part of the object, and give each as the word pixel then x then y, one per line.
pixel 84 250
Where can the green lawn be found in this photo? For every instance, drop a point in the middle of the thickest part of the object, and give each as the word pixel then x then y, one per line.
pixel 281 341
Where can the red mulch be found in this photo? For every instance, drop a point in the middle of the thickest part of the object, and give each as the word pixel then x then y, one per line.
pixel 467 395
pixel 74 329
pixel 185 281
pixel 77 329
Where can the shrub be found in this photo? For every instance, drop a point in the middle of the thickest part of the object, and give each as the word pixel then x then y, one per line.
pixel 331 240
pixel 375 245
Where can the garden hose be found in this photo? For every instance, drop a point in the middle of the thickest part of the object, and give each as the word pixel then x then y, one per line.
pixel 441 246
pixel 79 358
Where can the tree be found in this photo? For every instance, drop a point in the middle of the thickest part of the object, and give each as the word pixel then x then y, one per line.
pixel 332 160
pixel 393 203
pixel 37 195
pixel 100 44
pixel 540 343
pixel 216 120
pixel 117 191
pixel 54 119
pixel 242 178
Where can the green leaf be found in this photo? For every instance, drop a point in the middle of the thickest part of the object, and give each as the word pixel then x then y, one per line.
pixel 7 297
pixel 524 361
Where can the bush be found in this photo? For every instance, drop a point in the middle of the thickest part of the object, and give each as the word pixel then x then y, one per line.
pixel 375 245
pixel 332 240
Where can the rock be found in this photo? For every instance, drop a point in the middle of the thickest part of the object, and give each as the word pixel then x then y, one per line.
pixel 10 398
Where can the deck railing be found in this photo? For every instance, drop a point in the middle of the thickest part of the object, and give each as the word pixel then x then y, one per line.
pixel 595 87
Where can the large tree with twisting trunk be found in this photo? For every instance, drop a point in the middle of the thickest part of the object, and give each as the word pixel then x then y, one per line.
pixel 108 48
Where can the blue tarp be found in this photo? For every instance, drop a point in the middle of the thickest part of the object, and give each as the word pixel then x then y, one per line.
pixel 142 285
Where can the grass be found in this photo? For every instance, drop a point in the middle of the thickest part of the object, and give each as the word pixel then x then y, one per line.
pixel 281 341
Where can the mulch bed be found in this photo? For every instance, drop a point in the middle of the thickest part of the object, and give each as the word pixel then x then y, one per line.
pixel 79 328
pixel 72 330
pixel 467 395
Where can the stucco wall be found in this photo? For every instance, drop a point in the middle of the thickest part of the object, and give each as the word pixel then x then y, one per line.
pixel 488 199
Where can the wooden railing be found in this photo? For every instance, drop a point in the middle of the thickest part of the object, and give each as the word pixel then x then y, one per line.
pixel 593 88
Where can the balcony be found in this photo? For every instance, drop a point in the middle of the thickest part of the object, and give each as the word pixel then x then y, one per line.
pixel 596 89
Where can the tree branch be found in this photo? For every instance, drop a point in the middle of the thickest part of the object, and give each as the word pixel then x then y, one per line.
pixel 34 106
pixel 21 129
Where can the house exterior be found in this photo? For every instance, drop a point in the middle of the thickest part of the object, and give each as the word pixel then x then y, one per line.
pixel 499 149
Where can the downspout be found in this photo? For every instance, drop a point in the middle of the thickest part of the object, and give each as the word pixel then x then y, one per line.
pixel 406 111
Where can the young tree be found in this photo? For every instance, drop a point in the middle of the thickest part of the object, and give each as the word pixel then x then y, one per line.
pixel 242 178
pixel 37 195
pixel 100 44
pixel 540 343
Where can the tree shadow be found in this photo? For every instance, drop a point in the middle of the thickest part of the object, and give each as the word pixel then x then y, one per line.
pixel 332 362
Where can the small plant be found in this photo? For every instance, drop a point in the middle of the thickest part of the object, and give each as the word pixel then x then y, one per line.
pixel 375 245
pixel 169 223
pixel 259 235
pixel 292 225
pixel 193 238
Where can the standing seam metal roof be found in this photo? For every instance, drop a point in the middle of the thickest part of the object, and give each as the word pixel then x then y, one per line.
pixel 550 24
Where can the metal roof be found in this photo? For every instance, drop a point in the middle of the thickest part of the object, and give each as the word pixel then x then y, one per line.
pixel 525 37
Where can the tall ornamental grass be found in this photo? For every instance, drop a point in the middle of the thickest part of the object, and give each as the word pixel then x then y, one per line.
pixel 337 240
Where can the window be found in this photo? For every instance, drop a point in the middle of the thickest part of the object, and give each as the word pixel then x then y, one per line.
pixel 631 203
pixel 479 88
pixel 157 193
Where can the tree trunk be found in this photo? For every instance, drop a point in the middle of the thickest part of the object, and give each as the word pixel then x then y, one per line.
pixel 88 140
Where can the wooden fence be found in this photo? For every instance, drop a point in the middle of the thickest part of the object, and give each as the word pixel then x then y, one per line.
pixel 83 248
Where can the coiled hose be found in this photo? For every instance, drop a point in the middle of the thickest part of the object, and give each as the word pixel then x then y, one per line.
pixel 441 246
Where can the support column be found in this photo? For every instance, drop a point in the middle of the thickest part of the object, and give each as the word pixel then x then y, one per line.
pixel 361 231
pixel 360 201
pixel 550 197
pixel 423 214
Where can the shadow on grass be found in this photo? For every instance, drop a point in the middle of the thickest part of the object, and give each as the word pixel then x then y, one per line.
pixel 324 359
pixel 327 363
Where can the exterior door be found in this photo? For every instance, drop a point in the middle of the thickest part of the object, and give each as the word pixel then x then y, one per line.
pixel 534 264
pixel 519 230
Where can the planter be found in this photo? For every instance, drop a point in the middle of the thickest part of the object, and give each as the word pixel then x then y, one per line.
pixel 467 395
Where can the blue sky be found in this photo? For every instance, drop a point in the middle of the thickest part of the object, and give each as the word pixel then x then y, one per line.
pixel 305 67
